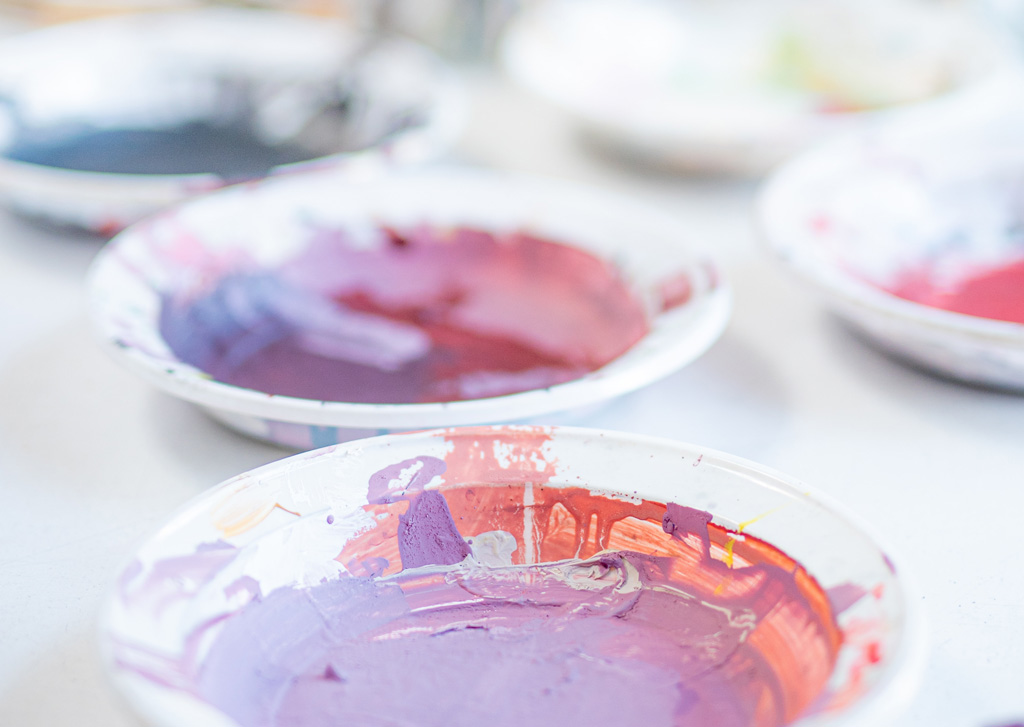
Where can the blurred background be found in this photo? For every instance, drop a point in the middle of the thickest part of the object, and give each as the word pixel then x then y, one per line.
pixel 460 27
pixel 732 86
pixel 684 104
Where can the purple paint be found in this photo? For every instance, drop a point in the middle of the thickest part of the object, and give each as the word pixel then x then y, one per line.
pixel 247 585
pixel 605 641
pixel 427 315
pixel 427 534
pixel 372 567
pixel 844 596
pixel 214 546
pixel 618 624
pixel 129 574
pixel 381 489
pixel 178 578
pixel 375 567
pixel 551 644
pixel 680 521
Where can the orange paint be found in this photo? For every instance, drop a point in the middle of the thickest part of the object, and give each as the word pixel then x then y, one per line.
pixel 796 634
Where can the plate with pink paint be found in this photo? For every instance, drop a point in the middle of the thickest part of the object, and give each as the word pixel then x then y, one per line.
pixel 511 576
pixel 316 308
pixel 915 237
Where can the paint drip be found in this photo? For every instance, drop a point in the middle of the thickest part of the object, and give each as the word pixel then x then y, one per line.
pixel 426 315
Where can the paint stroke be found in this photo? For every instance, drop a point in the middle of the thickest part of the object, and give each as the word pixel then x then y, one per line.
pixel 996 293
pixel 631 616
pixel 424 315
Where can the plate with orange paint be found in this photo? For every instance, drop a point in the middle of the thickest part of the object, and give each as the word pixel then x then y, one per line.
pixel 916 238
pixel 513 575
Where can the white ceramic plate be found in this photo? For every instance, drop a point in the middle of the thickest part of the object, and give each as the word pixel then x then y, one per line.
pixel 739 86
pixel 262 227
pixel 938 193
pixel 278 75
pixel 291 525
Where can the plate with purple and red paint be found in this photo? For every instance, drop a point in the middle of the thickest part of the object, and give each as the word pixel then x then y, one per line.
pixel 509 576
pixel 915 238
pixel 312 309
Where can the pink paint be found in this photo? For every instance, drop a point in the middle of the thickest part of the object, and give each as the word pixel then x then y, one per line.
pixel 426 315
pixel 996 292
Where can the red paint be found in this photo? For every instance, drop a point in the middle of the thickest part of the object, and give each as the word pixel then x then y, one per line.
pixel 996 293
pixel 821 224
pixel 675 291
pixel 425 315
pixel 561 304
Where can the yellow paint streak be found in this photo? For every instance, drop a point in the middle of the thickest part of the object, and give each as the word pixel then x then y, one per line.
pixel 739 530
pixel 728 551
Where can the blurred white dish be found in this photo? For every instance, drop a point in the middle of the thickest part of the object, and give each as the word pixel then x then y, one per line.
pixel 739 86
pixel 895 229
pixel 105 121
pixel 232 249
pixel 273 567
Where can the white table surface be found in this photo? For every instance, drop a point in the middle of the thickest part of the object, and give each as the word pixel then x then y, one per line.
pixel 92 460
